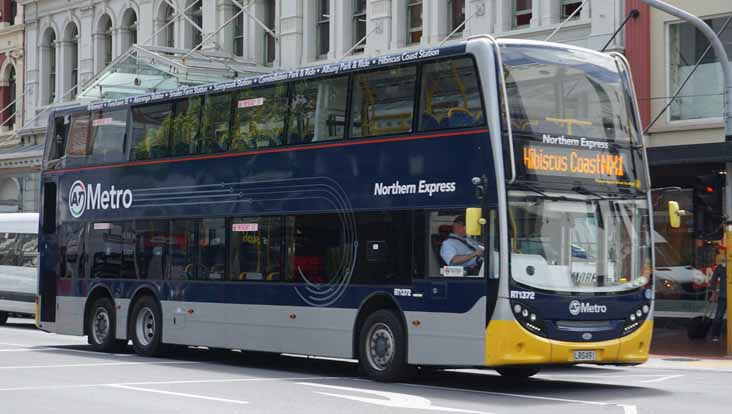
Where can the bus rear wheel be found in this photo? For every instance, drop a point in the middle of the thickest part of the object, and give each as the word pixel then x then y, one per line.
pixel 383 347
pixel 3 318
pixel 518 373
pixel 146 327
pixel 101 325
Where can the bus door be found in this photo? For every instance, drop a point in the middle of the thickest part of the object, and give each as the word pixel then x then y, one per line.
pixel 48 270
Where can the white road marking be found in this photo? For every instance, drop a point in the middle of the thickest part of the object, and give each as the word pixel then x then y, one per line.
pixel 174 382
pixel 668 377
pixel 388 399
pixel 628 409
pixel 98 364
pixel 179 394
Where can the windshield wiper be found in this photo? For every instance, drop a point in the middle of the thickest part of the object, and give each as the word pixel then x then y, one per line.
pixel 529 187
pixel 579 189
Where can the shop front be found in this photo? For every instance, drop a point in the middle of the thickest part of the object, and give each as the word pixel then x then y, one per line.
pixel 688 256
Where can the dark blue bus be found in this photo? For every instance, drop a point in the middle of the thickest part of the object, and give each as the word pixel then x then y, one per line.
pixel 479 205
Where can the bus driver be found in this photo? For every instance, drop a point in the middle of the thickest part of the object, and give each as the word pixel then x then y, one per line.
pixel 458 250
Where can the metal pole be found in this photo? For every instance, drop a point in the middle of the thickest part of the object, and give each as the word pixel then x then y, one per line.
pixel 721 54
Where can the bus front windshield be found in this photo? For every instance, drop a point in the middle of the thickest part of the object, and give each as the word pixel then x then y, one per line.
pixel 566 91
pixel 579 244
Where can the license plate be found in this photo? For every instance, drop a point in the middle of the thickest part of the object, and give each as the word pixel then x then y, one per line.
pixel 585 355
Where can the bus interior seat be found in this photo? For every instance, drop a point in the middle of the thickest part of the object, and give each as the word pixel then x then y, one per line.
pixel 443 232
pixel 459 118
pixel 429 122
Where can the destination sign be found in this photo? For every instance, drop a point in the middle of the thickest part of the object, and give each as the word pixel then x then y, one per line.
pixel 604 166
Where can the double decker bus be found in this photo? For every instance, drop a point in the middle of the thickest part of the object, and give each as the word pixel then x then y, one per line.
pixel 483 204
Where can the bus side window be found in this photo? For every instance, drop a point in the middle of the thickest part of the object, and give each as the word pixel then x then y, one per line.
pixel 215 132
pixel 383 101
pixel 185 126
pixel 59 138
pixel 108 132
pixel 8 249
pixel 151 127
pixel 259 118
pixel 450 96
pixel 77 143
pixel 318 110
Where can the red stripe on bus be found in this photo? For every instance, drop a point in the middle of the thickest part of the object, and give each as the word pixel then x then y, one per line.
pixel 268 151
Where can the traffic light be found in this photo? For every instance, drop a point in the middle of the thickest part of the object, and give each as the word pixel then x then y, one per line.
pixel 708 215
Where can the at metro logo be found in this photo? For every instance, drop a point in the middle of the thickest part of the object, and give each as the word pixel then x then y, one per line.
pixel 576 307
pixel 83 197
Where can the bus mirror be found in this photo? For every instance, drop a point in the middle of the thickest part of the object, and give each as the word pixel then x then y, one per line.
pixel 473 219
pixel 674 214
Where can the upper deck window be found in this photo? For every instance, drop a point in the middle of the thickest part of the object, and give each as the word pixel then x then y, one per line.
pixel 383 101
pixel 566 91
pixel 151 126
pixel 215 133
pixel 108 132
pixel 450 96
pixel 186 126
pixel 318 110
pixel 77 142
pixel 259 118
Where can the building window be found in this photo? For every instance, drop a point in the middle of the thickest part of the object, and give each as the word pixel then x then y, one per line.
pixel 10 117
pixel 701 97
pixel 269 40
pixel 13 12
pixel 129 27
pixel 569 7
pixel 323 23
pixel 521 13
pixel 104 41
pixel 167 26
pixel 48 55
pixel 195 13
pixel 359 24
pixel 239 35
pixel 72 39
pixel 456 14
pixel 414 21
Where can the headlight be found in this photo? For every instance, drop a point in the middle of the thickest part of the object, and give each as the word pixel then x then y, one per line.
pixel 529 319
pixel 635 319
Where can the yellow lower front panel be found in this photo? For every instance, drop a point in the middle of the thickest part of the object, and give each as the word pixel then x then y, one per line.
pixel 508 343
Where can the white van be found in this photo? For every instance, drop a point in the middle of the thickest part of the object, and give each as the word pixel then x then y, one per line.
pixel 18 264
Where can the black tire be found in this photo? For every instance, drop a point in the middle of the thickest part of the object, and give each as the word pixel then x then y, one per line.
pixel 383 348
pixel 101 324
pixel 518 373
pixel 3 318
pixel 146 327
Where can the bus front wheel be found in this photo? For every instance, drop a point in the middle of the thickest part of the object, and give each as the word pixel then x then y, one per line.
pixel 383 347
pixel 146 327
pixel 101 325
pixel 518 373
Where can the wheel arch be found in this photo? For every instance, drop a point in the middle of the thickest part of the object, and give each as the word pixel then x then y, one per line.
pixel 372 303
pixel 97 292
pixel 144 290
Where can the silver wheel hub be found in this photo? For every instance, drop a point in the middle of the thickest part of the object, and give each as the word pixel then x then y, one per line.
pixel 100 325
pixel 380 346
pixel 145 326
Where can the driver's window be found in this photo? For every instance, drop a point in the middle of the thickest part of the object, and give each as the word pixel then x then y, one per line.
pixel 453 252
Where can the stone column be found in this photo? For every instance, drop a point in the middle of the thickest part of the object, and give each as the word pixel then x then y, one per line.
pixel 551 11
pixel 482 21
pixel 290 50
pixel 85 49
pixel 341 27
pixel 399 23
pixel 148 25
pixel 310 31
pixel 378 16
pixel 225 9
pixel 209 24
pixel 503 15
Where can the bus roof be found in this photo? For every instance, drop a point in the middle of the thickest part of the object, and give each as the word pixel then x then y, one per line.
pixel 19 223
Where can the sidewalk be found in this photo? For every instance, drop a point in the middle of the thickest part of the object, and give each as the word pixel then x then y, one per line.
pixel 720 364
